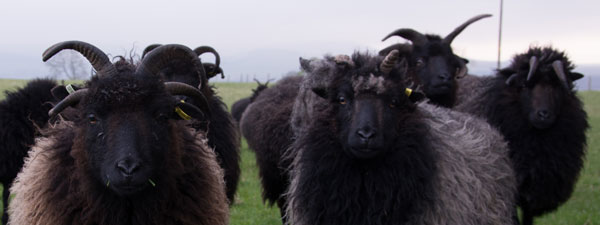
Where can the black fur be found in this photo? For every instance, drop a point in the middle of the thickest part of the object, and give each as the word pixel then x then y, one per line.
pixel 547 161
pixel 222 133
pixel 22 113
pixel 334 187
pixel 237 109
pixel 270 113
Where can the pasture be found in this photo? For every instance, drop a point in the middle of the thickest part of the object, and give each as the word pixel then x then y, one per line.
pixel 582 208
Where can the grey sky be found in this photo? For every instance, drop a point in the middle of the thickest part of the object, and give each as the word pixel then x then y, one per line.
pixel 309 28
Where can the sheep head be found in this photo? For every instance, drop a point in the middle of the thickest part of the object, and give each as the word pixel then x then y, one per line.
pixel 367 101
pixel 127 116
pixel 432 63
pixel 541 79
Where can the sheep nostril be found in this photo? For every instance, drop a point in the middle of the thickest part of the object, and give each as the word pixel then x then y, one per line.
pixel 366 134
pixel 127 167
pixel 543 114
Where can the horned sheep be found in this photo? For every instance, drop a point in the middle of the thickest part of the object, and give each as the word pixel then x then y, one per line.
pixel 534 105
pixel 372 156
pixel 128 157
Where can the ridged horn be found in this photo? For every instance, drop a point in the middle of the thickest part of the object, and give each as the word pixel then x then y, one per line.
pixel 204 49
pixel 389 62
pixel 533 63
pixel 414 36
pixel 94 55
pixel 162 56
pixel 178 88
pixel 450 37
pixel 149 48
pixel 402 47
pixel 71 99
pixel 511 79
pixel 560 73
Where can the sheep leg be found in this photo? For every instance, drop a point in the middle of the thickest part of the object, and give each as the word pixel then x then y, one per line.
pixel 5 196
pixel 527 217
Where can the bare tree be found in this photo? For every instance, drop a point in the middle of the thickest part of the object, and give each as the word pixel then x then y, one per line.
pixel 69 64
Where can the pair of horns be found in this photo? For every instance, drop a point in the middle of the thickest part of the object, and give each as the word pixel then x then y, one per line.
pixel 557 65
pixel 215 68
pixel 419 39
pixel 152 64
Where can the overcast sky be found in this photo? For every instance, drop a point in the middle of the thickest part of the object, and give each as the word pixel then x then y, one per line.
pixel 309 28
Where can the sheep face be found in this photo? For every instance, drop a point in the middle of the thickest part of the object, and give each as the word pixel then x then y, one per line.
pixel 435 68
pixel 126 130
pixel 542 79
pixel 126 115
pixel 368 108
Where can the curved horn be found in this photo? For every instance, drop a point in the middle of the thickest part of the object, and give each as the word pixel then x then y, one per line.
pixel 448 39
pixel 150 48
pixel 178 88
pixel 560 73
pixel 212 70
pixel 71 99
pixel 94 55
pixel 414 36
pixel 533 63
pixel 204 49
pixel 389 62
pixel 162 56
pixel 402 47
pixel 511 79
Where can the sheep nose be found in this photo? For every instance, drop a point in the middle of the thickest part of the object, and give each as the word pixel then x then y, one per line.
pixel 444 76
pixel 128 167
pixel 366 134
pixel 543 114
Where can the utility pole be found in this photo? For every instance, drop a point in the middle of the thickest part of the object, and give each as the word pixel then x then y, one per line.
pixel 500 34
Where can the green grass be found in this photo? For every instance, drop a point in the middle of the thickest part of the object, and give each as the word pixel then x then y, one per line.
pixel 582 208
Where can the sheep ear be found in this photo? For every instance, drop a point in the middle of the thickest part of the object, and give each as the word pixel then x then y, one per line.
pixel 187 111
pixel 575 76
pixel 305 64
pixel 321 92
pixel 416 96
pixel 463 59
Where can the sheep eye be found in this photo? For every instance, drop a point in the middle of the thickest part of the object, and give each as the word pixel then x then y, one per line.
pixel 420 62
pixel 162 117
pixel 394 103
pixel 92 118
pixel 342 100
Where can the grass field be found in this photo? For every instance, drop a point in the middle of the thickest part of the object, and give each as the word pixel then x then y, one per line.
pixel 582 208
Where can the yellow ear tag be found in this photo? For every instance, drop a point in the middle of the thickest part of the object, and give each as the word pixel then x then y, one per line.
pixel 181 113
pixel 408 91
pixel 70 88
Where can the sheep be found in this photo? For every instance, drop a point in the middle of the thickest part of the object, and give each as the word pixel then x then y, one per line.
pixel 23 112
pixel 222 131
pixel 372 156
pixel 128 157
pixel 533 104
pixel 432 65
pixel 238 107
pixel 269 114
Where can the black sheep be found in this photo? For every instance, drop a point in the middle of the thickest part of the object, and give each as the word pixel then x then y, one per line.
pixel 222 133
pixel 533 103
pixel 23 112
pixel 128 158
pixel 238 107
pixel 372 156
pixel 269 114
pixel 433 67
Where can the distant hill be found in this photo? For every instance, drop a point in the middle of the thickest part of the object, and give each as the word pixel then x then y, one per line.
pixel 260 64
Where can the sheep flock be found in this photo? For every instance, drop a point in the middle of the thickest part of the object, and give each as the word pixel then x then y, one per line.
pixel 402 135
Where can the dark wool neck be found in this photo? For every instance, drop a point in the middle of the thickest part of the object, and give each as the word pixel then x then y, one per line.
pixel 334 188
